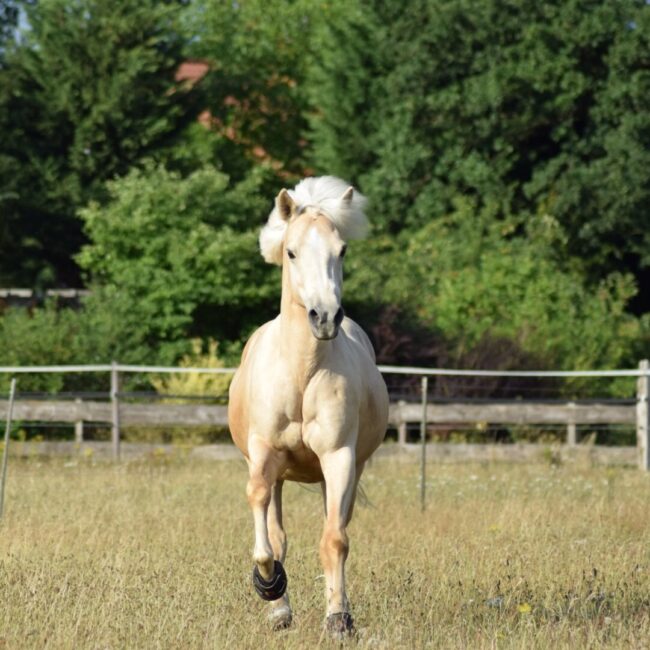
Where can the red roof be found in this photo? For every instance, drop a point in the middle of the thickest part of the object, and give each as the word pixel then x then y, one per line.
pixel 191 71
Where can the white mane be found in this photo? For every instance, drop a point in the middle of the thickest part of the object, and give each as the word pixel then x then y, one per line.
pixel 326 194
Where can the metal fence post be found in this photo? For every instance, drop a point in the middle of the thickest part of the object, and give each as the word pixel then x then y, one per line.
pixel 643 416
pixel 401 427
pixel 423 441
pixel 5 452
pixel 115 410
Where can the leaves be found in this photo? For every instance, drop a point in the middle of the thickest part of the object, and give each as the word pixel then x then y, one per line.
pixel 530 108
pixel 176 246
pixel 462 277
pixel 86 93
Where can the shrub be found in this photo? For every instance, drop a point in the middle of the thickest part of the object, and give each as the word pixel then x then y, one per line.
pixel 473 280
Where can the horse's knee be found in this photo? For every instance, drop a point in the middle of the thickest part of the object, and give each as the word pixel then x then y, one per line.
pixel 258 491
pixel 334 544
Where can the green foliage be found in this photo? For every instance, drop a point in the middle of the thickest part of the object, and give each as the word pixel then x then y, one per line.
pixel 257 51
pixel 96 334
pixel 166 248
pixel 170 258
pixel 468 277
pixel 504 147
pixel 534 108
pixel 9 12
pixel 45 336
pixel 86 93
pixel 196 383
pixel 340 83
pixel 600 188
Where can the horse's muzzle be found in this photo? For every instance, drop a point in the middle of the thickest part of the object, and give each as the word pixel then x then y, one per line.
pixel 322 326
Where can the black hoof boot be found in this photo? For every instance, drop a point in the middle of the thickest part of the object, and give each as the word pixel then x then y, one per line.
pixel 340 626
pixel 275 587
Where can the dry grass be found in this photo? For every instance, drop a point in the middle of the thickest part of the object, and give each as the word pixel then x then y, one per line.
pixel 156 554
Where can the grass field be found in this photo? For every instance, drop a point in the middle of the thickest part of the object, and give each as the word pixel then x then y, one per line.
pixel 156 554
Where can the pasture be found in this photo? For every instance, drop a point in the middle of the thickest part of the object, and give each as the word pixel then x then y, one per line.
pixel 157 554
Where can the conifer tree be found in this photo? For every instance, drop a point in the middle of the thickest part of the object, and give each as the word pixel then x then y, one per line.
pixel 531 108
pixel 86 93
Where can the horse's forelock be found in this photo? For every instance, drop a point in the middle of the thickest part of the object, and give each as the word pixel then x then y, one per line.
pixel 326 194
pixel 272 238
pixel 330 195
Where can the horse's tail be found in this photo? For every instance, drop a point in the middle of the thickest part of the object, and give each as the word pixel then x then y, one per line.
pixel 362 496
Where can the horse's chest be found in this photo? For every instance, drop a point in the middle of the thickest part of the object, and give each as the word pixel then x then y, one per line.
pixel 326 405
pixel 291 436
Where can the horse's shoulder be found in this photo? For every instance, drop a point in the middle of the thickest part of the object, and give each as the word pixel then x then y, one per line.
pixel 355 332
pixel 254 340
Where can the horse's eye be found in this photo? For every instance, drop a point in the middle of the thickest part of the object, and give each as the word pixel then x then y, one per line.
pixel 291 254
pixel 343 251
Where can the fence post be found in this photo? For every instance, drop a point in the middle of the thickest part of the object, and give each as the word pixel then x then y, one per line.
pixel 423 441
pixel 5 451
pixel 643 416
pixel 78 426
pixel 401 426
pixel 115 410
pixel 571 437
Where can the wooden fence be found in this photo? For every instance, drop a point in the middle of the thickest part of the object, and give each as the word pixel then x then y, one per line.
pixel 118 412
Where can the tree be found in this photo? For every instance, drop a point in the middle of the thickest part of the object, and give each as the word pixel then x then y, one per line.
pixel 537 108
pixel 172 258
pixel 467 279
pixel 340 84
pixel 88 92
pixel 9 11
pixel 257 51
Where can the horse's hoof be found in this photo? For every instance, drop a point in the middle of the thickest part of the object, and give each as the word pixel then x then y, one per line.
pixel 275 587
pixel 340 626
pixel 280 618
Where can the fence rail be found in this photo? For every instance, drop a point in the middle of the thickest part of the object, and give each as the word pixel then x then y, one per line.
pixel 389 370
pixel 400 413
pixel 117 412
pixel 514 413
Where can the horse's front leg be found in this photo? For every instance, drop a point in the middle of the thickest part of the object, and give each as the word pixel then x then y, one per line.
pixel 339 473
pixel 265 465
pixel 280 614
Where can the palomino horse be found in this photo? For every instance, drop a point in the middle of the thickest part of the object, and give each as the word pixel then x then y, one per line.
pixel 308 403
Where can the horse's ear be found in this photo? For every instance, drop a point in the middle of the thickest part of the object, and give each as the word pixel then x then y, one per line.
pixel 347 195
pixel 285 205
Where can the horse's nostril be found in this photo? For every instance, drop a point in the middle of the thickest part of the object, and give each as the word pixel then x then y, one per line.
pixel 338 317
pixel 313 315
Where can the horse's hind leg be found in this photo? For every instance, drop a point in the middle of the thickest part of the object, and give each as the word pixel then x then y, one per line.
pixel 280 614
pixel 265 465
pixel 340 484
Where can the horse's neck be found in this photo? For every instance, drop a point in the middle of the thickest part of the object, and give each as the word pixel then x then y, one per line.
pixel 299 346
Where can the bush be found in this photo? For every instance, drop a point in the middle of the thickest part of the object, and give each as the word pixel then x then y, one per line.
pixel 472 279
pixel 196 384
pixel 213 387
pixel 44 336
pixel 177 257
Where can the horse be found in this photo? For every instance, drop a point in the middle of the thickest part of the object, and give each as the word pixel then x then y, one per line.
pixel 307 402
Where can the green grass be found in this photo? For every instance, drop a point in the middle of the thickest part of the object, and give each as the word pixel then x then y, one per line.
pixel 157 554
